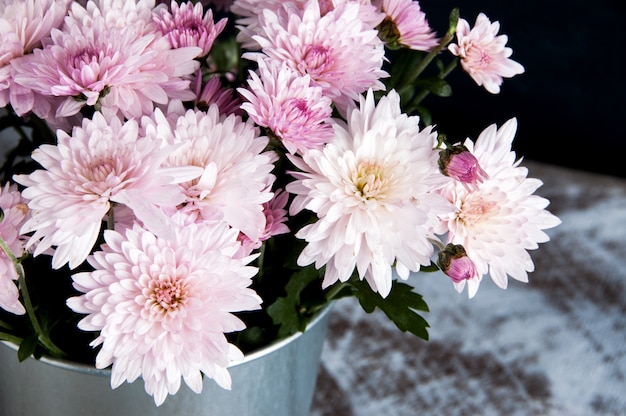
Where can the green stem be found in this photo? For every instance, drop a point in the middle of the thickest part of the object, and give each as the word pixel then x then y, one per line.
pixel 13 339
pixel 111 218
pixel 421 66
pixel 442 75
pixel 28 305
pixel 335 289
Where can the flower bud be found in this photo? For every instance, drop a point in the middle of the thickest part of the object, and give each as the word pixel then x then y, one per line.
pixel 459 163
pixel 454 262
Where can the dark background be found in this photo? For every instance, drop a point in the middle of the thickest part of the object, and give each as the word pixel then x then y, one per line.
pixel 570 102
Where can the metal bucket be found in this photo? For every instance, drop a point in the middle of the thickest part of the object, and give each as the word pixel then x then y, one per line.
pixel 278 380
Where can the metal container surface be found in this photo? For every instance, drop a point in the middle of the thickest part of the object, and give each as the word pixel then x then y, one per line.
pixel 278 380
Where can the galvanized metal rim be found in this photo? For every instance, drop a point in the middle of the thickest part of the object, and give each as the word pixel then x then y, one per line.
pixel 106 372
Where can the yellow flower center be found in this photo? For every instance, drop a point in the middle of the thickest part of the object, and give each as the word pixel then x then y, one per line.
pixel 369 181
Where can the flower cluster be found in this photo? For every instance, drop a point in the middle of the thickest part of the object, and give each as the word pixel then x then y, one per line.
pixel 175 167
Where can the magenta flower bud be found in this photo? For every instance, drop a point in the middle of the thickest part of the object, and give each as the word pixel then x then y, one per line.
pixel 454 262
pixel 460 164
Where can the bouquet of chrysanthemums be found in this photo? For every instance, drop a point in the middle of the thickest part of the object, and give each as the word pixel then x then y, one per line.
pixel 196 180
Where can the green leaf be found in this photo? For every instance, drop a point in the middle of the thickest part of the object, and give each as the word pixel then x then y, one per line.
pixel 27 347
pixel 403 64
pixel 430 268
pixel 435 85
pixel 286 311
pixel 400 306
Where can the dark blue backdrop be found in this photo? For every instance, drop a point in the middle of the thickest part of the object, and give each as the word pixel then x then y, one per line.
pixel 570 102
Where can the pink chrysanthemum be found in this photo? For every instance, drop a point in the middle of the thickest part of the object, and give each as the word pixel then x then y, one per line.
pixel 287 103
pixel 372 190
pixel 405 24
pixel 101 163
pixel 275 217
pixel 336 50
pixel 184 26
pixel 23 25
pixel 162 306
pixel 214 93
pixel 483 54
pixel 236 174
pixel 116 68
pixel 501 219
pixel 250 10
pixel 13 215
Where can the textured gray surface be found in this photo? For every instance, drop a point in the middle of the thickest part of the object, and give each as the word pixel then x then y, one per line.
pixel 554 346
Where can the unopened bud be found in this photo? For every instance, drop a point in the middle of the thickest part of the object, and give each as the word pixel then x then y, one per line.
pixel 459 163
pixel 454 262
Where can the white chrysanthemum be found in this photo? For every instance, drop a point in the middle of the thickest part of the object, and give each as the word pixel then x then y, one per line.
pixel 236 179
pixel 162 306
pixel 500 219
pixel 372 190
pixel 101 163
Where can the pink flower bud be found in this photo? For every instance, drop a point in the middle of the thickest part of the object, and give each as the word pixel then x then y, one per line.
pixel 454 262
pixel 458 163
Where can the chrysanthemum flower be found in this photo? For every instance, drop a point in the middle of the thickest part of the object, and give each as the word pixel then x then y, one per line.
pixel 250 10
pixel 116 68
pixel 483 54
pixel 184 26
pixel 405 24
pixel 214 93
pixel 14 213
pixel 336 50
pixel 289 105
pixel 501 219
pixel 275 217
pixel 162 306
pixel 372 190
pixel 101 163
pixel 23 24
pixel 236 171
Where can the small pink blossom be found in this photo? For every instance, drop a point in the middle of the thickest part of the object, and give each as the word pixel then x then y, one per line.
pixel 405 24
pixel 162 306
pixel 184 25
pixel 483 54
pixel 289 105
pixel 275 217
pixel 14 212
pixel 214 93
